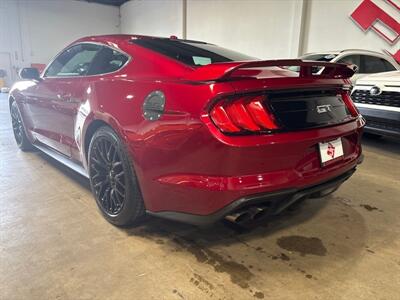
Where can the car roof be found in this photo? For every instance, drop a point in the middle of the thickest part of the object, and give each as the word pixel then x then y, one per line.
pixel 129 37
pixel 357 51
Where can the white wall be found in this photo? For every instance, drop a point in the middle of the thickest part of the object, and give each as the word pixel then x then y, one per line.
pixel 34 31
pixel 262 28
pixel 250 26
pixel 71 19
pixel 152 17
pixel 329 27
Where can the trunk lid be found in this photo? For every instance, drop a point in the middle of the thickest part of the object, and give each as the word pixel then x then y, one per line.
pixel 297 100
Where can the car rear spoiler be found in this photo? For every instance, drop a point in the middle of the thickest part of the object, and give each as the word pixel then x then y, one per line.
pixel 225 70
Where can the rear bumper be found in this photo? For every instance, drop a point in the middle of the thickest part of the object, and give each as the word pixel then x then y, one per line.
pixel 192 172
pixel 277 201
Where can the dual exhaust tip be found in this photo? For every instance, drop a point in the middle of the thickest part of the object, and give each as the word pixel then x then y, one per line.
pixel 249 215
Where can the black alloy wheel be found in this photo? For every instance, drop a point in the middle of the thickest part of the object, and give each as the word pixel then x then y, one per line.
pixel 113 180
pixel 18 128
pixel 108 175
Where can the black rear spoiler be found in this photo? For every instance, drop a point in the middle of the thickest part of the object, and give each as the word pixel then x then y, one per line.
pixel 224 71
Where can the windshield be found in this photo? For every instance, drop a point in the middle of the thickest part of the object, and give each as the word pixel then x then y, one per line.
pixel 192 53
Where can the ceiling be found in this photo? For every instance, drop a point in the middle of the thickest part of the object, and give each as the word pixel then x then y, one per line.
pixel 108 2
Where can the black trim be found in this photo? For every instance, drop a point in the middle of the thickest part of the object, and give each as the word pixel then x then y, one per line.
pixel 381 121
pixel 383 132
pixel 278 201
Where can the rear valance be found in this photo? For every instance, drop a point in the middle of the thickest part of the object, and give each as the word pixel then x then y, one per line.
pixel 226 70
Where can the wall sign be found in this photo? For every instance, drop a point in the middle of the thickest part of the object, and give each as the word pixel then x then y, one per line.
pixel 369 16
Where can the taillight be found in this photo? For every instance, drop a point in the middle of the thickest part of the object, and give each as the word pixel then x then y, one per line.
pixel 246 114
pixel 350 104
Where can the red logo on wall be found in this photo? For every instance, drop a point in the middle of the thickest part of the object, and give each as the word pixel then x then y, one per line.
pixel 367 15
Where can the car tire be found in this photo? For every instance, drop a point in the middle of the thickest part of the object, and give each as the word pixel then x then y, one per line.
pixel 18 128
pixel 113 180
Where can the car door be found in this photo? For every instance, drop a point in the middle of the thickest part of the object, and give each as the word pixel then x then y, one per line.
pixel 53 102
pixel 98 80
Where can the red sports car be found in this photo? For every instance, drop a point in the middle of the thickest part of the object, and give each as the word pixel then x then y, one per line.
pixel 188 130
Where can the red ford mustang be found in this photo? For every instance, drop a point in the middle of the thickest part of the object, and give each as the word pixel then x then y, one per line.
pixel 188 130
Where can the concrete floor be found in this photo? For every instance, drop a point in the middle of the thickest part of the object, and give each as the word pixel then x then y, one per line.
pixel 55 245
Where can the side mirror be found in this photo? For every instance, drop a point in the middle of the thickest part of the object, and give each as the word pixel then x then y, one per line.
pixel 29 73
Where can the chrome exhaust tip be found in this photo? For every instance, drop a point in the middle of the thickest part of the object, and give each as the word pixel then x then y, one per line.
pixel 248 215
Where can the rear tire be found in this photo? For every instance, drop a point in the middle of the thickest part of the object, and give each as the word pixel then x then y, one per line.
pixel 18 128
pixel 113 180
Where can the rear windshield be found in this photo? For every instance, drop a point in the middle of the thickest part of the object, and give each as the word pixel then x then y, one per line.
pixel 192 53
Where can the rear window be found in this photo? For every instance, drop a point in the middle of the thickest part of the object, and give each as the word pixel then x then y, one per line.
pixel 192 53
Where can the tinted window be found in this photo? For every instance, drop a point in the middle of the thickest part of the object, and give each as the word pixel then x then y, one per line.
pixel 323 57
pixel 350 59
pixel 192 53
pixel 74 61
pixel 319 57
pixel 388 65
pixel 106 61
pixel 373 64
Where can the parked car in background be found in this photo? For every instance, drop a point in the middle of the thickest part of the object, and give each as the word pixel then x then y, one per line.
pixel 188 130
pixel 367 62
pixel 377 97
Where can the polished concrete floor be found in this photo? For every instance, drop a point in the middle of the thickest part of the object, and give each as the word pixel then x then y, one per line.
pixel 55 245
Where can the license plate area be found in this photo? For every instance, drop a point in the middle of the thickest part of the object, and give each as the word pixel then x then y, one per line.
pixel 329 151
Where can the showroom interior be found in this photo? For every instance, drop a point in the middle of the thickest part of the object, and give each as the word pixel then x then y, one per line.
pixel 334 244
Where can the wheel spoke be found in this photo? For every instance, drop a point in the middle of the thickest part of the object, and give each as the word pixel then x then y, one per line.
pixel 115 156
pixel 100 155
pixel 108 153
pixel 122 195
pixel 98 163
pixel 106 199
pixel 120 184
pixel 117 197
pixel 114 199
pixel 98 176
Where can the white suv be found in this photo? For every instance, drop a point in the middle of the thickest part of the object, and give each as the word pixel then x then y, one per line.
pixel 377 97
pixel 368 62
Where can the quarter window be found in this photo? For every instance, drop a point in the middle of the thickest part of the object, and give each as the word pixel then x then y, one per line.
pixel 106 61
